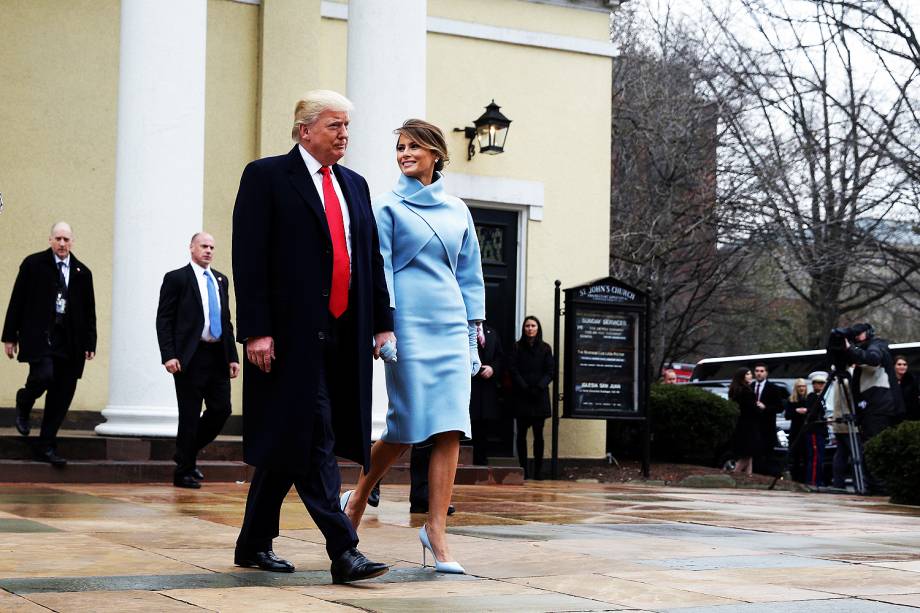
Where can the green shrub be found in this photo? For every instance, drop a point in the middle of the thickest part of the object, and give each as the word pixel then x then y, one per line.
pixel 894 457
pixel 690 424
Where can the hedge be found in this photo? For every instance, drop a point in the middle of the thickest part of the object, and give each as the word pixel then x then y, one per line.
pixel 894 457
pixel 690 424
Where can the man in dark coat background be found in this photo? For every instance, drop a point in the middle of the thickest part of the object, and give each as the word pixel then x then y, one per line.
pixel 198 349
pixel 51 321
pixel 769 398
pixel 312 311
pixel 484 400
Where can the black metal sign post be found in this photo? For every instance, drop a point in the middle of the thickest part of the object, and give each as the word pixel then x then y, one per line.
pixel 557 396
pixel 605 356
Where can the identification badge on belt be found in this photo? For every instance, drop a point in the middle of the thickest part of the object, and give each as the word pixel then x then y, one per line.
pixel 60 304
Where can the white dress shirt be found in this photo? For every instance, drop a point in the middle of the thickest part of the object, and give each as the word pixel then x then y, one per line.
pixel 313 167
pixel 203 290
pixel 65 268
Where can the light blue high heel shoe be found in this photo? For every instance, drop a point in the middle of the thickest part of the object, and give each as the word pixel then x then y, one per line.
pixel 441 567
pixel 343 499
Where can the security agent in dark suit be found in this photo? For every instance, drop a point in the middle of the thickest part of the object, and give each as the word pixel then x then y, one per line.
pixel 198 349
pixel 51 322
pixel 313 311
pixel 769 399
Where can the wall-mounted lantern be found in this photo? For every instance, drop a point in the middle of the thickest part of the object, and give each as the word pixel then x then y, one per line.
pixel 491 130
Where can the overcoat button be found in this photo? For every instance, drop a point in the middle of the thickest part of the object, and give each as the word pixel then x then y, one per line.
pixel 326 292
pixel 321 336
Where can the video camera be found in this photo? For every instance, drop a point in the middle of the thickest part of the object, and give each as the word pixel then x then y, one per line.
pixel 837 356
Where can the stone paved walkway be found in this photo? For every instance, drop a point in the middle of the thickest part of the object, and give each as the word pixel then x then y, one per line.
pixel 541 547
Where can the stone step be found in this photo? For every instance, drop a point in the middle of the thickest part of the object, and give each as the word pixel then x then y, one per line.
pixel 86 445
pixel 150 471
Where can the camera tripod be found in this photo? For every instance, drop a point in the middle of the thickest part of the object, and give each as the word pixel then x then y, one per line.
pixel 842 378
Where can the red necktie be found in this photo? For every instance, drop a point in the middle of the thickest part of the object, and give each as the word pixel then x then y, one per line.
pixel 338 296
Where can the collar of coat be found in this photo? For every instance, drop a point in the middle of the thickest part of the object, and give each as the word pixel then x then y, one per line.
pixel 412 191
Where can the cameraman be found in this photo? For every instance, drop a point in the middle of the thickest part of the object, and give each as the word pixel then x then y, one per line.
pixel 874 384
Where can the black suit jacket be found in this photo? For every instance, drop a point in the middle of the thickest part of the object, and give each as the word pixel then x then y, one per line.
pixel 484 392
pixel 30 315
pixel 180 317
pixel 282 270
pixel 774 397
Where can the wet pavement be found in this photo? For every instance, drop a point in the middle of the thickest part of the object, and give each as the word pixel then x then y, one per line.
pixel 550 546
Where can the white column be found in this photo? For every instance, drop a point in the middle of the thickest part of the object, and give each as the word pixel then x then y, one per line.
pixel 159 181
pixel 386 81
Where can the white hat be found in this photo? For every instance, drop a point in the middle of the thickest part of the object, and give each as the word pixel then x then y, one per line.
pixel 818 375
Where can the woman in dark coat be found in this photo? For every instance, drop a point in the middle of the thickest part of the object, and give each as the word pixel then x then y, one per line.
pixel 531 368
pixel 910 388
pixel 796 408
pixel 747 430
pixel 484 393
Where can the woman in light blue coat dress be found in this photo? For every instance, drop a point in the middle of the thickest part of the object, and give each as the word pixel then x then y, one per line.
pixel 434 275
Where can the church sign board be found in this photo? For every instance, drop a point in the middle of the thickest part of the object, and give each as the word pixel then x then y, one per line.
pixel 605 351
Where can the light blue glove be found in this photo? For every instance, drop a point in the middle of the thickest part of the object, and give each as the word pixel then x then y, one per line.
pixel 475 362
pixel 388 352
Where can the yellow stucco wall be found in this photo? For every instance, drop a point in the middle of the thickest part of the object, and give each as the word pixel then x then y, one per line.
pixel 521 15
pixel 58 112
pixel 231 126
pixel 63 71
pixel 560 140
pixel 290 60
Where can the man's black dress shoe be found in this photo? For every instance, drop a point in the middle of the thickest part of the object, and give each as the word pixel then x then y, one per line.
pixel 198 474
pixel 22 424
pixel 419 508
pixel 186 481
pixel 50 456
pixel 373 498
pixel 22 415
pixel 265 560
pixel 351 565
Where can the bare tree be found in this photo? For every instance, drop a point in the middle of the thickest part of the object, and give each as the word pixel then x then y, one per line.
pixel 666 220
pixel 814 138
pixel 885 29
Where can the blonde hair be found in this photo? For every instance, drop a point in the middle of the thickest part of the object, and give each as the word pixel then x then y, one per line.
pixel 428 136
pixel 795 390
pixel 314 102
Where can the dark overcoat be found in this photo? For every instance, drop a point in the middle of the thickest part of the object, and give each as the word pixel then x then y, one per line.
pixel 180 316
pixel 773 396
pixel 910 390
pixel 30 315
pixel 746 441
pixel 484 392
pixel 282 272
pixel 531 368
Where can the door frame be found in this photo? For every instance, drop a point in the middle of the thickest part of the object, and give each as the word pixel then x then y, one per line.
pixel 505 194
pixel 521 271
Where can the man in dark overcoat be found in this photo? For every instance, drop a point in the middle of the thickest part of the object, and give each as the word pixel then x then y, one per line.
pixel 198 349
pixel 51 322
pixel 484 400
pixel 769 399
pixel 312 312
